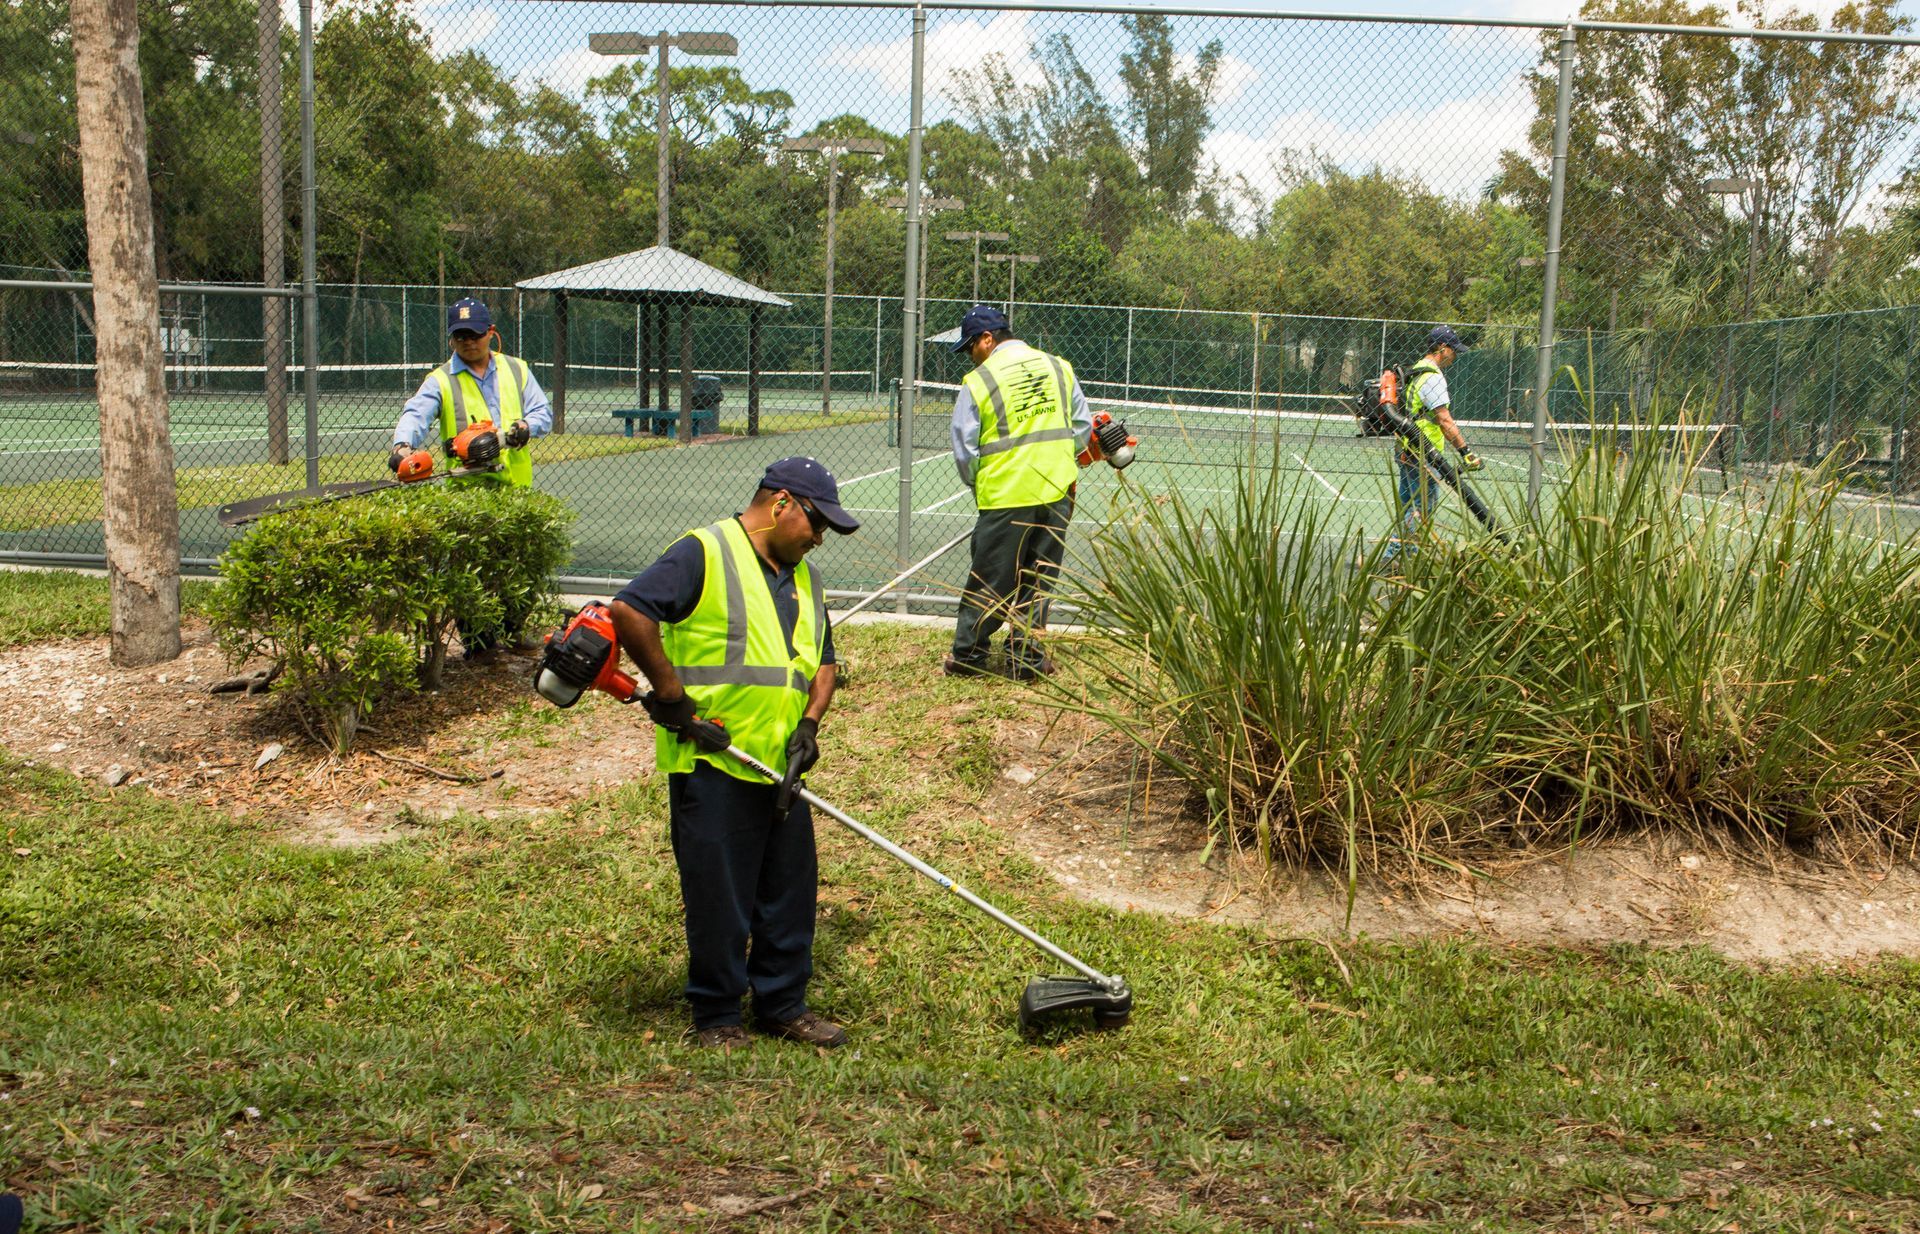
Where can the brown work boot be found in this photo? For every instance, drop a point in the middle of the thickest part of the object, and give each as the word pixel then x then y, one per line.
pixel 809 1029
pixel 1026 668
pixel 723 1037
pixel 953 666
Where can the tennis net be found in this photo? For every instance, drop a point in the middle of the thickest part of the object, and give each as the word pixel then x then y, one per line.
pixel 1319 432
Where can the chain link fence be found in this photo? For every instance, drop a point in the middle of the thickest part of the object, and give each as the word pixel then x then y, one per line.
pixel 1227 224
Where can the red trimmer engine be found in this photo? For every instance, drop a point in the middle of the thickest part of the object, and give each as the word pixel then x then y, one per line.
pixel 1109 442
pixel 583 655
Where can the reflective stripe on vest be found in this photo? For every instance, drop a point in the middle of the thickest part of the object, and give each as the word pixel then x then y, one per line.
pixel 731 655
pixel 460 395
pixel 1026 428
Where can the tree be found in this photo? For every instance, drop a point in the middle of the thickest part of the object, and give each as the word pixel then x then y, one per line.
pixel 142 519
pixel 1167 108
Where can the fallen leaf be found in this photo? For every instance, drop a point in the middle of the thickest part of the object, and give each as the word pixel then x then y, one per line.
pixel 592 1191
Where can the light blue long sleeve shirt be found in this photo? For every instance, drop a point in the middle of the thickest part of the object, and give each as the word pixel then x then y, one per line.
pixel 420 421
pixel 966 422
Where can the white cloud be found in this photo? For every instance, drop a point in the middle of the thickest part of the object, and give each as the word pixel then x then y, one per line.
pixel 1230 80
pixel 454 27
pixel 1453 148
pixel 952 47
pixel 570 70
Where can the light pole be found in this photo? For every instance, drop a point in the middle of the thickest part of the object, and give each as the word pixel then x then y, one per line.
pixel 694 43
pixel 929 206
pixel 1738 186
pixel 977 237
pixel 833 148
pixel 1013 261
pixel 445 228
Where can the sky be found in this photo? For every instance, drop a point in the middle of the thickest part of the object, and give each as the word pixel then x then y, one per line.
pixel 1439 103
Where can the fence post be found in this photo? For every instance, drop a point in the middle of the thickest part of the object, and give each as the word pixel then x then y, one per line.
pixel 1127 375
pixel 1253 396
pixel 1899 431
pixel 1556 204
pixel 309 291
pixel 910 331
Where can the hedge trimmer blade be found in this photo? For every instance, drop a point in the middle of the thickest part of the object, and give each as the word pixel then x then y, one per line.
pixel 240 513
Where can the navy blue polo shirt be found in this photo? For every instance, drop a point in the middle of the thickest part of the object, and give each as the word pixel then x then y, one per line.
pixel 669 590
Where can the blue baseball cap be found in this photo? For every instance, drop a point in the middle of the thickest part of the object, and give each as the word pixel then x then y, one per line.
pixel 469 314
pixel 806 477
pixel 1444 336
pixel 980 319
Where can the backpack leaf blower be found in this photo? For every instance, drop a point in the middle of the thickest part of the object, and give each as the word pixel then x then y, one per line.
pixel 1378 408
pixel 584 654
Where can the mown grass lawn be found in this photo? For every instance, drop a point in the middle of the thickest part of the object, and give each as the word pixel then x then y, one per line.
pixel 204 1026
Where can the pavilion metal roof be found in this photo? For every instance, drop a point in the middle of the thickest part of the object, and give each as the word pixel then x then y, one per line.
pixel 654 273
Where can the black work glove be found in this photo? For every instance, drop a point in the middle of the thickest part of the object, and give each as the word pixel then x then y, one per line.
pixel 517 434
pixel 677 718
pixel 400 451
pixel 803 751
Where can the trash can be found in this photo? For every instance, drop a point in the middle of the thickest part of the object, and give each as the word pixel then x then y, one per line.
pixel 706 392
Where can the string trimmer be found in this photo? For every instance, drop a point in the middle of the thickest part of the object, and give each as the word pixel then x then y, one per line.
pixel 584 654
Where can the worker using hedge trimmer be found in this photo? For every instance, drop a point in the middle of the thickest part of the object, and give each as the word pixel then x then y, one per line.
pixel 1426 401
pixel 481 406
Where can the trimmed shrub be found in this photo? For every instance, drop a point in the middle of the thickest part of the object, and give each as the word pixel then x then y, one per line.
pixel 357 599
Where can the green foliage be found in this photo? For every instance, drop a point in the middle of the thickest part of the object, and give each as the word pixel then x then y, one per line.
pixel 356 598
pixel 1641 656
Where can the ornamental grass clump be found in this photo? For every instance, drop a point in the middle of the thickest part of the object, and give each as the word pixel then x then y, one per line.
pixel 356 600
pixel 1636 654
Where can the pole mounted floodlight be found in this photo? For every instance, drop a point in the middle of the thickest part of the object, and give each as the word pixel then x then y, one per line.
pixel 833 148
pixel 694 43
pixel 977 237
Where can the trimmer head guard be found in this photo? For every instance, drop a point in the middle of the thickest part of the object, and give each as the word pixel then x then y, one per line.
pixel 1047 998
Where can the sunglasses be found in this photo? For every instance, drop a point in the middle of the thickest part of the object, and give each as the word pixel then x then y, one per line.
pixel 815 519
pixel 466 336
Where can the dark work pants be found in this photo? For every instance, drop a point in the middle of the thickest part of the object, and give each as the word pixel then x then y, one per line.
pixel 1016 558
pixel 749 885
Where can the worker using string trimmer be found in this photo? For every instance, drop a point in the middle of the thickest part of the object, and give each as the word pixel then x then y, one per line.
pixel 481 407
pixel 1429 405
pixel 730 627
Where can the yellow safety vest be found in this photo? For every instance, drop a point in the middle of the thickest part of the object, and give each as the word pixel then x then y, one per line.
pixel 1025 397
pixel 731 655
pixel 1417 410
pixel 462 402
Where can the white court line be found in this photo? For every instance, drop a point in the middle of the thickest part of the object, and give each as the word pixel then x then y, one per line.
pixel 943 501
pixel 1337 495
pixel 893 470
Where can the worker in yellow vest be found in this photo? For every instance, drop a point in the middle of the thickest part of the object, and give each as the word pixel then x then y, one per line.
pixel 1019 422
pixel 1430 406
pixel 476 383
pixel 730 627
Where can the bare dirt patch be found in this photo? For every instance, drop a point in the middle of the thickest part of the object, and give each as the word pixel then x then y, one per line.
pixel 158 728
pixel 1090 819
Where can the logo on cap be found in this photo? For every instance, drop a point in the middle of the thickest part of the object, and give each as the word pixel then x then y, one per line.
pixel 465 312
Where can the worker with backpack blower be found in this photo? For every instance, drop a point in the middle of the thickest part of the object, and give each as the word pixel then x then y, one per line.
pixel 730 627
pixel 1429 406
pixel 483 407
